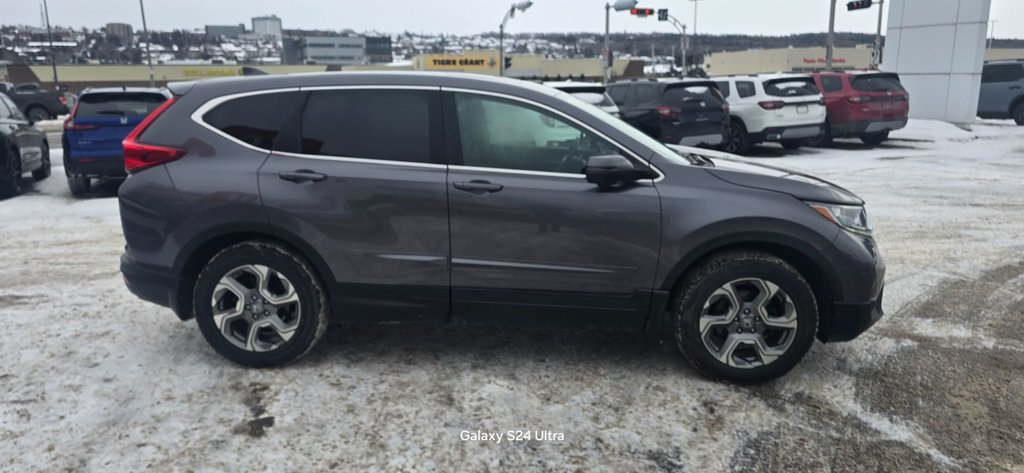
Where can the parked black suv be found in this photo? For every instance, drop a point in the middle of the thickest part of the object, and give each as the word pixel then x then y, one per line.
pixel 689 112
pixel 266 206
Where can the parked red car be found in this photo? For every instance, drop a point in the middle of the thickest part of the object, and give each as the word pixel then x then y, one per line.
pixel 867 105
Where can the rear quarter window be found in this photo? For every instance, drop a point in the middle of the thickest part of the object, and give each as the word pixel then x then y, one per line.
pixel 745 89
pixel 118 104
pixel 876 83
pixel 255 120
pixel 794 87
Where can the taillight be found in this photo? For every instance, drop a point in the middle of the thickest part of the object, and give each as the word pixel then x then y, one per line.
pixel 772 104
pixel 69 123
pixel 666 112
pixel 821 101
pixel 139 156
pixel 858 99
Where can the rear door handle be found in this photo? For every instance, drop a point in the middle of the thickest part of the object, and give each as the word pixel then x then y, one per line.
pixel 478 186
pixel 302 176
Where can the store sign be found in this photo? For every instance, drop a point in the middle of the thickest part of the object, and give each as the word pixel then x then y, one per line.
pixel 466 63
pixel 821 60
pixel 211 72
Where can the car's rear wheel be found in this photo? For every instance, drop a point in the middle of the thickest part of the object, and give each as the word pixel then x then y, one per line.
pixel 874 139
pixel 744 317
pixel 822 139
pixel 10 181
pixel 38 114
pixel 258 304
pixel 1018 114
pixel 791 145
pixel 79 185
pixel 737 141
pixel 44 171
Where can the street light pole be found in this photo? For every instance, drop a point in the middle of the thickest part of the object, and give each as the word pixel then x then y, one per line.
pixel 511 13
pixel 682 41
pixel 693 36
pixel 149 55
pixel 619 5
pixel 49 37
pixel 878 35
pixel 830 46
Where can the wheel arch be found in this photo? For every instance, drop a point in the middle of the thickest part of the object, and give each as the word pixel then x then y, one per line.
pixel 1014 104
pixel 191 261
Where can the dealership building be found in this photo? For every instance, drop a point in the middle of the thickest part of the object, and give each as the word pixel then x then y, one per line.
pixel 758 61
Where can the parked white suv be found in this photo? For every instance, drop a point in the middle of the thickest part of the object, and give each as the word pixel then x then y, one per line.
pixel 787 108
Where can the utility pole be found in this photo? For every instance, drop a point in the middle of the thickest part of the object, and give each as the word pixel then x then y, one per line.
pixel 992 35
pixel 149 56
pixel 607 50
pixel 878 35
pixel 49 37
pixel 693 36
pixel 830 47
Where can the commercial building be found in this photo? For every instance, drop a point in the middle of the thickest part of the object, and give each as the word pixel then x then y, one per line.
pixel 758 61
pixel 378 49
pixel 121 31
pixel 333 50
pixel 526 66
pixel 267 26
pixel 228 31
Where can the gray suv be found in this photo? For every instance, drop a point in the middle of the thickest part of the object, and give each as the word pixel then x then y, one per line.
pixel 265 207
pixel 1002 90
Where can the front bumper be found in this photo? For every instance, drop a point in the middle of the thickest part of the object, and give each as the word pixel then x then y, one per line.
pixel 151 283
pixel 850 320
pixel 105 166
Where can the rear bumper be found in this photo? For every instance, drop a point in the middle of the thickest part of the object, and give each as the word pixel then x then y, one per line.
pixel 105 166
pixel 867 126
pixel 779 133
pixel 151 283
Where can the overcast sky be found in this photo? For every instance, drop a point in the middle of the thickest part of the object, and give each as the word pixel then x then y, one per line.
pixel 770 17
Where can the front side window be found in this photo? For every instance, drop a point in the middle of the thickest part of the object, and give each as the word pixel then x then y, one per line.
pixel 505 134
pixel 618 93
pixel 256 119
pixel 5 108
pixel 385 124
pixel 994 73
pixel 644 93
pixel 723 87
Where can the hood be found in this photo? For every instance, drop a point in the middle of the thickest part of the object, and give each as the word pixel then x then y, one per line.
pixel 741 172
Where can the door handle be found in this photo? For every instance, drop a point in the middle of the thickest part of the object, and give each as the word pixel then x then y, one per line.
pixel 302 176
pixel 478 186
pixel 1016 87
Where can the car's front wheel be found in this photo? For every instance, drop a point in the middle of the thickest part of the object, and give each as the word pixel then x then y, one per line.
pixel 1018 114
pixel 10 181
pixel 258 304
pixel 745 317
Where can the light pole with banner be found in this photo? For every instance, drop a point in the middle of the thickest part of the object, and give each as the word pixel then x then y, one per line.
pixel 619 5
pixel 511 13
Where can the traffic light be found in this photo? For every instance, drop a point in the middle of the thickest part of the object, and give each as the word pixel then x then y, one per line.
pixel 663 14
pixel 642 12
pixel 859 5
pixel 508 63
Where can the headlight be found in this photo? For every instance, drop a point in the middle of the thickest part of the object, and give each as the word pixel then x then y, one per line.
pixel 851 217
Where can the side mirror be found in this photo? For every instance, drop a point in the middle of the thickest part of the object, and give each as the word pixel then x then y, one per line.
pixel 611 170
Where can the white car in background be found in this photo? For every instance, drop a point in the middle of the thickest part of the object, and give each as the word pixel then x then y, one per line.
pixel 786 108
pixel 591 92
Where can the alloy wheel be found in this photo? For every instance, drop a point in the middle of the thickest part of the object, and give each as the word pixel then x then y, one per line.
pixel 748 323
pixel 256 308
pixel 733 144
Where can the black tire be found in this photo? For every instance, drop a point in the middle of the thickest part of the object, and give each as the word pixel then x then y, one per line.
pixel 79 185
pixel 737 141
pixel 37 114
pixel 791 145
pixel 313 304
pixel 874 139
pixel 823 139
pixel 717 271
pixel 10 181
pixel 45 170
pixel 1018 114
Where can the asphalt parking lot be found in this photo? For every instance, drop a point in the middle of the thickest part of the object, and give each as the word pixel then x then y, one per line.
pixel 93 379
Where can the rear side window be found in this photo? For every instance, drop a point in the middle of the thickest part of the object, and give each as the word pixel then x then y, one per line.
pixel 118 104
pixel 1002 73
pixel 794 87
pixel 618 94
pixel 392 125
pixel 831 83
pixel 877 83
pixel 643 93
pixel 255 120
pixel 745 89
pixel 723 87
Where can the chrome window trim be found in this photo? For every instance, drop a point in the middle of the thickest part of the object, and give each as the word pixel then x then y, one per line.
pixel 618 145
pixel 346 159
pixel 459 167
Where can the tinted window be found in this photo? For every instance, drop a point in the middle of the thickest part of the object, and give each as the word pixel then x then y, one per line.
pixel 1002 73
pixel 498 133
pixel 745 89
pixel 15 113
pixel 831 83
pixel 876 83
pixel 391 125
pixel 795 87
pixel 644 92
pixel 618 94
pixel 119 104
pixel 723 87
pixel 690 97
pixel 256 119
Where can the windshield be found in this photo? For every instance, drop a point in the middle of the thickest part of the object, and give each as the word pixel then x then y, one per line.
pixel 122 104
pixel 877 83
pixel 657 146
pixel 793 87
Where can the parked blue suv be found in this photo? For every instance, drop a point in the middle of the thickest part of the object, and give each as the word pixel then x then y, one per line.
pixel 97 125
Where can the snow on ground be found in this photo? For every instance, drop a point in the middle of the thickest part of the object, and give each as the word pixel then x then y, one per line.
pixel 92 379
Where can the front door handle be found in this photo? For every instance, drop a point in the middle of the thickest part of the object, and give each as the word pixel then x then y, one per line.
pixel 478 186
pixel 302 176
